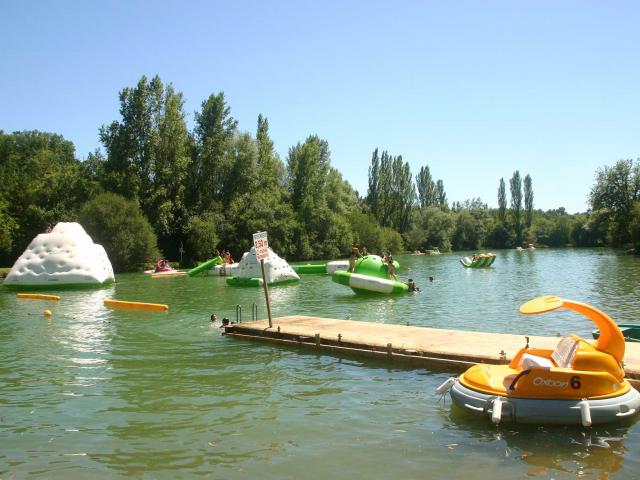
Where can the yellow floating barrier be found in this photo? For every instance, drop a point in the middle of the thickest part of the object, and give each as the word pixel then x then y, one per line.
pixel 139 305
pixel 38 296
pixel 172 274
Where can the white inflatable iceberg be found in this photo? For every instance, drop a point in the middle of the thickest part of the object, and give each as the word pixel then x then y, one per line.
pixel 248 272
pixel 66 256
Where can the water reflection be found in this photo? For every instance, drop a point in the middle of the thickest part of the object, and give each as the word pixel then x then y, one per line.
pixel 550 450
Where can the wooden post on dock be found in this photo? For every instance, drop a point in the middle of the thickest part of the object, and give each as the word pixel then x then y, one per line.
pixel 261 245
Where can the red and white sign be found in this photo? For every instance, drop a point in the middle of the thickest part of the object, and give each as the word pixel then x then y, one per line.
pixel 261 244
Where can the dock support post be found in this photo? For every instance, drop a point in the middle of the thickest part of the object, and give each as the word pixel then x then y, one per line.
pixel 317 339
pixel 389 349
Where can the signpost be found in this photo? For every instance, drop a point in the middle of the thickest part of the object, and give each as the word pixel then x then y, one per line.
pixel 261 244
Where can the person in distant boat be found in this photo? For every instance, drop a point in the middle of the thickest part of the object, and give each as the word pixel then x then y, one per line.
pixel 412 285
pixel 364 252
pixel 355 253
pixel 49 228
pixel 162 266
pixel 391 269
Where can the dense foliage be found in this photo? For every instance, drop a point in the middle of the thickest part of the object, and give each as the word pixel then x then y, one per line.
pixel 119 226
pixel 156 182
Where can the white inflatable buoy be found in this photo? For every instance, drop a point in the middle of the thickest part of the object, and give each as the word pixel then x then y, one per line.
pixel 446 385
pixel 496 414
pixel 585 413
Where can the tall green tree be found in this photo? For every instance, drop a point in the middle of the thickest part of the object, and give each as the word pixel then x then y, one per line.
pixel 270 168
pixel 426 188
pixel 441 194
pixel 148 155
pixel 516 205
pixel 131 142
pixel 502 202
pixel 373 192
pixel 214 132
pixel 528 201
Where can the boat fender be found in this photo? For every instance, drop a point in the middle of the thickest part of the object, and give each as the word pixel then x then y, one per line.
pixel 496 411
pixel 585 413
pixel 446 386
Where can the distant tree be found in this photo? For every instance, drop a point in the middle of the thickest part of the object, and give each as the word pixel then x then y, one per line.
pixel 149 156
pixel 42 183
pixel 432 227
pixel 120 227
pixel 214 131
pixel 634 226
pixel 201 237
pixel 271 170
pixel 528 200
pixel 440 194
pixel 516 205
pixel 613 195
pixel 373 192
pixel 502 202
pixel 426 188
pixel 391 193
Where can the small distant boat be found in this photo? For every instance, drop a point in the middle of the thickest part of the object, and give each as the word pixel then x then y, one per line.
pixel 416 253
pixel 162 268
pixel 519 249
pixel 482 260
pixel 630 332
pixel 434 251
pixel 531 247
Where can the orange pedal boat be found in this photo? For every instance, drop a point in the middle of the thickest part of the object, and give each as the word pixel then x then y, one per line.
pixel 577 383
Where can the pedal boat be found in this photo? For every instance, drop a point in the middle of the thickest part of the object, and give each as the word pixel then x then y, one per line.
pixel 577 383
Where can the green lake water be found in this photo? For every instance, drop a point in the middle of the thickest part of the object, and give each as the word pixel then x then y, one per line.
pixel 95 392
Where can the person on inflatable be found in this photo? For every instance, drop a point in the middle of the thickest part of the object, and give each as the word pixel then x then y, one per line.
pixel 355 253
pixel 391 269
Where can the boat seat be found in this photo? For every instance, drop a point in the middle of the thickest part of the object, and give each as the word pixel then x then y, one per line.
pixel 565 352
pixel 527 361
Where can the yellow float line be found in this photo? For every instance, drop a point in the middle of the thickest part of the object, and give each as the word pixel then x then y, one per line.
pixel 38 296
pixel 139 305
pixel 159 275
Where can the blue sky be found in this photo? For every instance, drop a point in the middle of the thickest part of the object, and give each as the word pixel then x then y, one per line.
pixel 473 89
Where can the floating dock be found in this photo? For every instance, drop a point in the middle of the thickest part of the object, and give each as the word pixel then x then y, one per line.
pixel 415 346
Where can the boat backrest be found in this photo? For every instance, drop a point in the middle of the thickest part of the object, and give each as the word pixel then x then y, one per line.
pixel 565 352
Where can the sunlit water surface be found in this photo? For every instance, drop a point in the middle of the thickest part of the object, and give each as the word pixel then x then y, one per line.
pixel 94 392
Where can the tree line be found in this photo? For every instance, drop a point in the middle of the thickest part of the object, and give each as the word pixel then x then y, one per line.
pixel 159 188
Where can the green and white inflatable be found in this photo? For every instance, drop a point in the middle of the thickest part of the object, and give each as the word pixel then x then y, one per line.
pixel 370 276
pixel 482 260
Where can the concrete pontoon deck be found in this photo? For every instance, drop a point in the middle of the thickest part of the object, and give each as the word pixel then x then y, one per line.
pixel 419 346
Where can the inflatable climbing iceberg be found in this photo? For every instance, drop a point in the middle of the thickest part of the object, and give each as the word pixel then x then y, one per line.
pixel 66 256
pixel 248 272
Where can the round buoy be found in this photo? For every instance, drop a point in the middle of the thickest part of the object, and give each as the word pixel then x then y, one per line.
pixel 47 313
